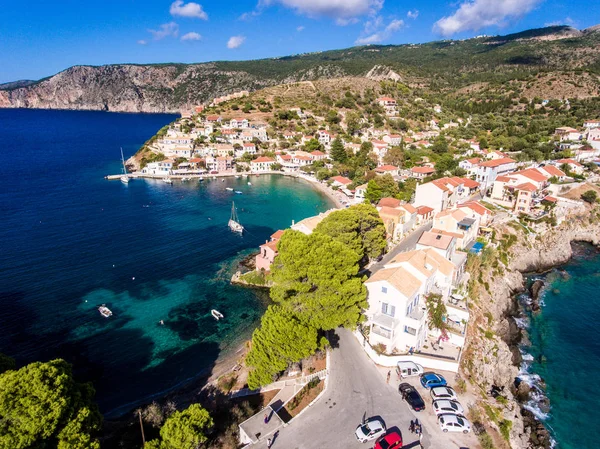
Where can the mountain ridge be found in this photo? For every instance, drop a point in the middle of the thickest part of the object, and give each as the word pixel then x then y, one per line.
pixel 449 64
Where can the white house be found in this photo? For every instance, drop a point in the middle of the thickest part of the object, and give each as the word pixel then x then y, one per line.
pixel 397 314
pixel 158 168
pixel 261 164
pixel 488 171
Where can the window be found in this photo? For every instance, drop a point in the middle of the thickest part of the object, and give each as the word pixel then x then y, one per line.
pixel 383 289
pixel 386 309
pixel 410 330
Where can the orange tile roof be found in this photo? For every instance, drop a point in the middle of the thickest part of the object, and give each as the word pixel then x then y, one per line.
pixel 263 159
pixel 434 240
pixel 387 168
pixel 342 180
pixel 553 171
pixel 497 162
pixel 532 174
pixel 477 207
pixel 424 170
pixel 527 186
pixel 390 212
pixel 277 234
pixel 551 199
pixel 388 202
pixel 409 208
pixel 424 210
pixel 271 244
pixel 399 278
pixel 503 178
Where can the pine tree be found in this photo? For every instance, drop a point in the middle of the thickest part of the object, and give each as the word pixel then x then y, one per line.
pixel 281 339
pixel 338 152
pixel 359 227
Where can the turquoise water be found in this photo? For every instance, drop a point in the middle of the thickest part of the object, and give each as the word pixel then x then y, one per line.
pixel 150 251
pixel 565 345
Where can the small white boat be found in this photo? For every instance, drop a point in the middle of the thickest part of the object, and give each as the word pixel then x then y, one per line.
pixel 216 314
pixel 229 188
pixel 237 176
pixel 105 311
pixel 249 183
pixel 222 180
pixel 185 179
pixel 167 180
pixel 238 192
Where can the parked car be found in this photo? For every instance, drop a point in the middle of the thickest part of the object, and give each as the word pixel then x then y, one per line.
pixel 443 393
pixel 454 423
pixel 370 430
pixel 392 440
pixel 432 380
pixel 408 369
pixel 412 396
pixel 442 406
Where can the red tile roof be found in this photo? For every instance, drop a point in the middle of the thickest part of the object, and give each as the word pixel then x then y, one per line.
pixel 554 171
pixel 477 207
pixel 342 180
pixel 526 186
pixel 532 174
pixel 550 199
pixel 424 210
pixel 385 168
pixel 277 234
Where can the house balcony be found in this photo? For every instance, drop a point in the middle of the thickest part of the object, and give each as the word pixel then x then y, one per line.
pixel 383 325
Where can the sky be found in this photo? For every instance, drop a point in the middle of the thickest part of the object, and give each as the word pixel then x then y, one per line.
pixel 40 38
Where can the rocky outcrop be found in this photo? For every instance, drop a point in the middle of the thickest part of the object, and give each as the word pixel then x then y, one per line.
pixel 493 358
pixel 131 88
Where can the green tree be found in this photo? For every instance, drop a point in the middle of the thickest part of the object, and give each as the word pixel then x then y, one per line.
pixel 440 145
pixel 332 117
pixel 186 429
pixel 374 192
pixel 590 196
pixel 389 187
pixel 358 227
pixel 394 156
pixel 280 340
pixel 41 405
pixel 338 152
pixel 313 145
pixel 436 309
pixel 445 163
pixel 317 277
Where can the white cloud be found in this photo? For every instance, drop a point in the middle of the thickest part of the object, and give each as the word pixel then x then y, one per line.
pixel 375 34
pixel 476 14
pixel 165 30
pixel 343 12
pixel 300 28
pixel 413 14
pixel 191 36
pixel 191 9
pixel 142 42
pixel 565 21
pixel 235 41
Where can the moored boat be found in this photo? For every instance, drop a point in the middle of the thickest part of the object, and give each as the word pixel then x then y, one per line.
pixel 229 189
pixel 105 311
pixel 167 180
pixel 216 314
pixel 234 224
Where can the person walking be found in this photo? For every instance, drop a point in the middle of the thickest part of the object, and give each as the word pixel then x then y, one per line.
pixel 388 377
pixel 421 438
pixel 266 419
pixel 269 443
pixel 412 426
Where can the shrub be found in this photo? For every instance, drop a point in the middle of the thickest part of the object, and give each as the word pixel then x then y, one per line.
pixel 590 196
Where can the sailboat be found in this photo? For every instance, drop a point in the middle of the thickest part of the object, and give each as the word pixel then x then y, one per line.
pixel 125 177
pixel 233 224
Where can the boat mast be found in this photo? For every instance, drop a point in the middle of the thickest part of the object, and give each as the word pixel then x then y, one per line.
pixel 123 162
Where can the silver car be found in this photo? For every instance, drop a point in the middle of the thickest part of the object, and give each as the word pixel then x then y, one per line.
pixel 370 430
pixel 443 393
pixel 454 423
pixel 442 406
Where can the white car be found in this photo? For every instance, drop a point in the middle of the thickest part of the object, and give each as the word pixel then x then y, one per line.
pixel 454 423
pixel 443 393
pixel 370 430
pixel 442 406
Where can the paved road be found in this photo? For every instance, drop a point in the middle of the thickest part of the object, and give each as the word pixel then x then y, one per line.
pixel 356 388
pixel 407 244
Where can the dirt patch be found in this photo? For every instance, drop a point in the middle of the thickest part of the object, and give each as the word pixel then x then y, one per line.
pixel 575 194
pixel 301 401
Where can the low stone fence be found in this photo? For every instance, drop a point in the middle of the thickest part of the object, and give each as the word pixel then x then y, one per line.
pixel 429 362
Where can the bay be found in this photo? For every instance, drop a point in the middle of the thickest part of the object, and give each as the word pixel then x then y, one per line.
pixel 71 240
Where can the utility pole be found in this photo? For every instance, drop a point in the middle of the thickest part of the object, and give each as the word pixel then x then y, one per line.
pixel 142 428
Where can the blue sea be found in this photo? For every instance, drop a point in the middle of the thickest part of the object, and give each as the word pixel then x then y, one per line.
pixel 71 240
pixel 564 351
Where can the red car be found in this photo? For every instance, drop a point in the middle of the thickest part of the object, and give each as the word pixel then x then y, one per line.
pixel 392 440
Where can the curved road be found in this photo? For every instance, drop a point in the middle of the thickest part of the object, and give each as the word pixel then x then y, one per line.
pixel 356 388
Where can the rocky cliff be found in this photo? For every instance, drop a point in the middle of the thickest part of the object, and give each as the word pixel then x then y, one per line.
pixel 491 357
pixel 130 88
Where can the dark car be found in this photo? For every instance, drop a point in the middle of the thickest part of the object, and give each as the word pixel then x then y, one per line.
pixel 412 396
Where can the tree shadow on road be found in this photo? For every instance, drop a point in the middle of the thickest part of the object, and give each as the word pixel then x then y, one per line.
pixel 334 339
